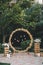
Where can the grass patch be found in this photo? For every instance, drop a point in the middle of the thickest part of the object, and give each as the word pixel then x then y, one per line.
pixel 4 64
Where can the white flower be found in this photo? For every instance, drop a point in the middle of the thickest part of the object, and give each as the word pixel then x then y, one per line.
pixel 5 44
pixel 37 40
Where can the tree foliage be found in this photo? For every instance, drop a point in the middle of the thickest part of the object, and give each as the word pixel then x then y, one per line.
pixel 23 12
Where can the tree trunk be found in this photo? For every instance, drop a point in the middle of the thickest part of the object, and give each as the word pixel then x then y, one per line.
pixel 3 38
pixel 3 34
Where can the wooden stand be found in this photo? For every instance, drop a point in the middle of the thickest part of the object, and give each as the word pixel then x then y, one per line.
pixel 6 51
pixel 36 48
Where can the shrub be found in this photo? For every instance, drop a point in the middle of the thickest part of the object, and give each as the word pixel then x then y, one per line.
pixel 25 44
pixel 4 64
pixel 1 48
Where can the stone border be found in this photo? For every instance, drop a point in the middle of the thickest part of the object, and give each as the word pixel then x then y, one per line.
pixel 31 38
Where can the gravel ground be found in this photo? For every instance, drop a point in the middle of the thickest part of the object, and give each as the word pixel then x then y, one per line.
pixel 22 59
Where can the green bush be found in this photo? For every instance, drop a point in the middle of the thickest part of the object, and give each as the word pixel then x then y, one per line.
pixel 4 64
pixel 1 48
pixel 25 44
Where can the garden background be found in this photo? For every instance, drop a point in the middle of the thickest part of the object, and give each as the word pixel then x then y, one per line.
pixel 22 14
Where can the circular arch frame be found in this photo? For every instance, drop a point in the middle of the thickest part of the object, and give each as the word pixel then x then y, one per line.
pixel 24 30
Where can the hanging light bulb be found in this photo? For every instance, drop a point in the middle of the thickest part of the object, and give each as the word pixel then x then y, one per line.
pixel 17 40
pixel 24 38
pixel 14 38
pixel 20 36
pixel 24 35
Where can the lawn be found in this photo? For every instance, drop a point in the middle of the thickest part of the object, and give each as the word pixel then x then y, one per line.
pixel 4 64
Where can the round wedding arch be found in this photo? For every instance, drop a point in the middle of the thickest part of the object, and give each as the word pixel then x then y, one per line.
pixel 29 34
